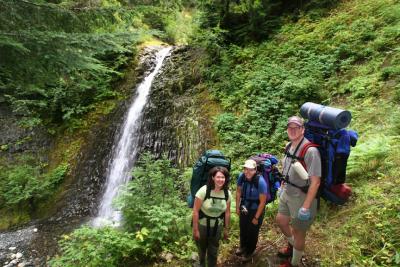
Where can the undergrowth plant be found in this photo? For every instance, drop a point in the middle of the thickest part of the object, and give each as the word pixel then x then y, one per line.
pixel 152 201
pixel 156 221
pixel 25 184
pixel 346 58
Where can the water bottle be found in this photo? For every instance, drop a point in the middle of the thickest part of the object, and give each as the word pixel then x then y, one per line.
pixel 299 169
pixel 304 214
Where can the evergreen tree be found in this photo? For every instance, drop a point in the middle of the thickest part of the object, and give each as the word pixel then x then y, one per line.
pixel 59 59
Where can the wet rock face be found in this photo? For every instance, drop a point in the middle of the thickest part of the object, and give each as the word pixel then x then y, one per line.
pixel 175 120
pixel 82 195
pixel 16 139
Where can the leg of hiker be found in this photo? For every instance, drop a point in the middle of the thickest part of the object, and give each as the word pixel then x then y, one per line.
pixel 283 223
pixel 244 225
pixel 300 227
pixel 202 245
pixel 299 245
pixel 253 232
pixel 283 220
pixel 299 230
pixel 212 249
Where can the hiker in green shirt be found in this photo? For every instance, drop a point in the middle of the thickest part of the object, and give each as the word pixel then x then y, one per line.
pixel 211 215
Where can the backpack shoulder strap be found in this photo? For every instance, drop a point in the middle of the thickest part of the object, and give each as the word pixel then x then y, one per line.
pixel 226 194
pixel 287 148
pixel 256 180
pixel 246 183
pixel 208 193
pixel 293 156
pixel 241 175
pixel 303 152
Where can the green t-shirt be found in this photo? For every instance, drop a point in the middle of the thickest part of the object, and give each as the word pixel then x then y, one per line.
pixel 211 206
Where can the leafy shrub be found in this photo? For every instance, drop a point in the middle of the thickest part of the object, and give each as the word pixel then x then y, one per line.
pixel 155 221
pixel 25 184
pixel 152 201
pixel 179 27
pixel 96 247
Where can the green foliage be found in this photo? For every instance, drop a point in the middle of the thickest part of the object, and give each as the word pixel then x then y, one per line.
pixel 152 201
pixel 211 40
pixel 155 221
pixel 179 26
pixel 58 60
pixel 367 158
pixel 22 184
pixel 96 247
pixel 256 20
pixel 25 183
pixel 364 232
pixel 263 91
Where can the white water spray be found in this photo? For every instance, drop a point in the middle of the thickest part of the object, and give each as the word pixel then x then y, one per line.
pixel 125 151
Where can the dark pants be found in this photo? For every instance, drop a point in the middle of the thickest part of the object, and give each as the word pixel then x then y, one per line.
pixel 249 232
pixel 208 246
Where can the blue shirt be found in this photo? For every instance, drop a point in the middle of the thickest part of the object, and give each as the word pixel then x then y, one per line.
pixel 252 192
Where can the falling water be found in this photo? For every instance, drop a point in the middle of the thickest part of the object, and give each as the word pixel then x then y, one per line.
pixel 125 151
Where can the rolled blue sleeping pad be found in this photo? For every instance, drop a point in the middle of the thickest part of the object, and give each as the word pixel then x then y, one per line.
pixel 332 117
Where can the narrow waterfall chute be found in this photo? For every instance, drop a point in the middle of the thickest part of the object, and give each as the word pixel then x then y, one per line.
pixel 125 148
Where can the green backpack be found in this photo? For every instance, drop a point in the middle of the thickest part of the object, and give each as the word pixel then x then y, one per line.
pixel 209 159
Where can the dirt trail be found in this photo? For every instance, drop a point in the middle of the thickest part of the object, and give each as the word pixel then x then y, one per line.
pixel 265 254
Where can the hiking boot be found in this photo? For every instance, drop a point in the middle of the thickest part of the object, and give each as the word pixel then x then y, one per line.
pixel 286 252
pixel 240 251
pixel 247 257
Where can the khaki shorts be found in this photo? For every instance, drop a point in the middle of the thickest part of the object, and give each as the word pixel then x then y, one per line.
pixel 289 205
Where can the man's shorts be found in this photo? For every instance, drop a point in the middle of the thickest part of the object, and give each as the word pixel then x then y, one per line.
pixel 289 205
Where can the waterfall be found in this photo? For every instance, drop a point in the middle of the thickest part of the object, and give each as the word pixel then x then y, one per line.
pixel 125 149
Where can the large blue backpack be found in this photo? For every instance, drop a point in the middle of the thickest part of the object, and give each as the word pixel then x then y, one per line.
pixel 209 159
pixel 334 146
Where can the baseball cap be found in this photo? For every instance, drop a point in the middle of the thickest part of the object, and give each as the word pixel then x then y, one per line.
pixel 250 164
pixel 296 120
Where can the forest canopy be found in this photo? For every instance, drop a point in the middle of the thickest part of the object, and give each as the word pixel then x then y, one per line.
pixel 58 58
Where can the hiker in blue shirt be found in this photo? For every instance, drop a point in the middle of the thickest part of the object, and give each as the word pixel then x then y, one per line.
pixel 297 202
pixel 251 196
pixel 211 215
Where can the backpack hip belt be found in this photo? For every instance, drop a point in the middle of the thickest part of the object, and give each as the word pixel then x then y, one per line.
pixel 215 228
